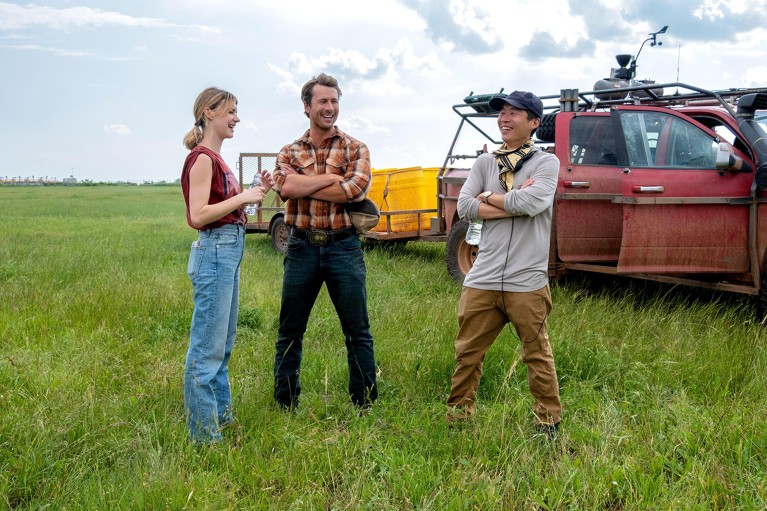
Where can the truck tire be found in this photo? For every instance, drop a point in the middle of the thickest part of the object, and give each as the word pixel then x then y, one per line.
pixel 459 255
pixel 547 128
pixel 279 232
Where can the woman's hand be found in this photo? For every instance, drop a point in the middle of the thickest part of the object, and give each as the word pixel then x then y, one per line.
pixel 266 181
pixel 252 195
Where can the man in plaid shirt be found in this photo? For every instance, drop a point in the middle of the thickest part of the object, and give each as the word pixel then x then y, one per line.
pixel 317 175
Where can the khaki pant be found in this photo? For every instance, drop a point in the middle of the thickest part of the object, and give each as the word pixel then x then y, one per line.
pixel 481 316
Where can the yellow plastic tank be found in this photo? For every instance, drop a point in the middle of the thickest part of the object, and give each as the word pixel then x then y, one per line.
pixel 404 189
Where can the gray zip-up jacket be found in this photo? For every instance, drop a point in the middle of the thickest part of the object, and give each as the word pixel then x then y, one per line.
pixel 513 252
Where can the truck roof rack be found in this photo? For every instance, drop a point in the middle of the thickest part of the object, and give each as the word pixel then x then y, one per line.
pixel 476 106
pixel 641 93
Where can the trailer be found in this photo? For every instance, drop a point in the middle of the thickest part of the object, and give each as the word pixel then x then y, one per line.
pixel 407 198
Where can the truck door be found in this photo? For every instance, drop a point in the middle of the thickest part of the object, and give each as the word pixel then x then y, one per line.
pixel 680 213
pixel 589 215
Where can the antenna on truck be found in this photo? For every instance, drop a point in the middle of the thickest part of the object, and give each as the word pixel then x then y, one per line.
pixel 678 57
pixel 631 72
pixel 625 75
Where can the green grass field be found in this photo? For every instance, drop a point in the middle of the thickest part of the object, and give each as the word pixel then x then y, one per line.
pixel 663 388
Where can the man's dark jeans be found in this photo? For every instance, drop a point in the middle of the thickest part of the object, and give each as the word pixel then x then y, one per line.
pixel 341 267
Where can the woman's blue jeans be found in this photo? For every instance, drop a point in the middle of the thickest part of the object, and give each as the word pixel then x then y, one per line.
pixel 214 269
pixel 341 267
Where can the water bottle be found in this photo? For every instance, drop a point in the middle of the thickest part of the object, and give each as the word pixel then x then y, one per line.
pixel 252 209
pixel 474 232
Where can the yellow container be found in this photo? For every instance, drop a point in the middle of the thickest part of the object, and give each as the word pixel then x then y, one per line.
pixel 403 189
pixel 430 188
pixel 376 192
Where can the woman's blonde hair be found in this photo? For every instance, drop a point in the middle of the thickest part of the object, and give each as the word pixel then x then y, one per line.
pixel 212 98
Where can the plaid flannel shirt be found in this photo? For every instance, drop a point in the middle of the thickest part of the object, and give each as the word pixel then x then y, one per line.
pixel 339 154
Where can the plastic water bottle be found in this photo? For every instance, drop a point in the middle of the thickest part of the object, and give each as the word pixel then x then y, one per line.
pixel 252 209
pixel 474 232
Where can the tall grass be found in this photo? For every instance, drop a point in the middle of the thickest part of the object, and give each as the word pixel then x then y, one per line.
pixel 663 389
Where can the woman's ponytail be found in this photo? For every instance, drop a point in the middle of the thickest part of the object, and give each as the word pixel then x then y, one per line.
pixel 211 98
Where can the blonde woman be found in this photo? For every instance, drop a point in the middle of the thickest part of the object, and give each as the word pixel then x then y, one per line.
pixel 214 207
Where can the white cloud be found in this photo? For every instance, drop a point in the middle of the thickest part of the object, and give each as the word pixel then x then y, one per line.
pixel 460 25
pixel 56 51
pixel 117 129
pixel 355 123
pixel 288 84
pixel 715 9
pixel 405 54
pixel 16 17
pixel 466 16
pixel 379 75
pixel 754 76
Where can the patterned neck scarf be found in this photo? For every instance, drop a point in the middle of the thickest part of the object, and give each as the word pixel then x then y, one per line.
pixel 511 161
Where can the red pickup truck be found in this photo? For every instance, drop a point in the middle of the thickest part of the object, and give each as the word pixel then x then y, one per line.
pixel 669 187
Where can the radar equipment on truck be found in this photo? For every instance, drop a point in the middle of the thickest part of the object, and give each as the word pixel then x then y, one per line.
pixel 625 75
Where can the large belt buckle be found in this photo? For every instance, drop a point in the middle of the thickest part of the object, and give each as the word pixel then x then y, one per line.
pixel 318 238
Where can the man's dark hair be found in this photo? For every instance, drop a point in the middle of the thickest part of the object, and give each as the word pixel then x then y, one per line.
pixel 530 117
pixel 320 79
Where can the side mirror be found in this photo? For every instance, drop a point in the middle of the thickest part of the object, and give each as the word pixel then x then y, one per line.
pixel 726 159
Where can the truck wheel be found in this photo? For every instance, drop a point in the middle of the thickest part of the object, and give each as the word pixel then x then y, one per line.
pixel 547 128
pixel 459 255
pixel 279 233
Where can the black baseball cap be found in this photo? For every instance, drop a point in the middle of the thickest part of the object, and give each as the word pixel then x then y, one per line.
pixel 519 99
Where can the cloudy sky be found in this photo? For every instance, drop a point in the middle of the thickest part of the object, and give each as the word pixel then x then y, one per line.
pixel 104 90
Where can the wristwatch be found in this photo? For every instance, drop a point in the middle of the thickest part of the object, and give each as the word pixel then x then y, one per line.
pixel 484 196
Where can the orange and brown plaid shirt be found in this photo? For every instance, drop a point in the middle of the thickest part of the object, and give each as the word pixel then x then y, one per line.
pixel 339 154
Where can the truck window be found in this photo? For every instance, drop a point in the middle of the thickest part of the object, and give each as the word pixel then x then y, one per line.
pixel 642 132
pixel 724 132
pixel 691 147
pixel 656 139
pixel 592 141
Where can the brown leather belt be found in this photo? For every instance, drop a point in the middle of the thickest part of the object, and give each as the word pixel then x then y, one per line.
pixel 323 238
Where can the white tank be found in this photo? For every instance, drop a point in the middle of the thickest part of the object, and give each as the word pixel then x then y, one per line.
pixel 610 83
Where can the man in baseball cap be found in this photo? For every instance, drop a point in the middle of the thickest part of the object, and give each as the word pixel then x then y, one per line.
pixel 519 99
pixel 512 192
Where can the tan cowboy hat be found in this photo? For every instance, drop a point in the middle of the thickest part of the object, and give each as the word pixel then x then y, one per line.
pixel 365 214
